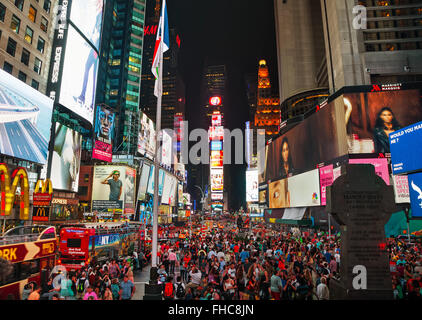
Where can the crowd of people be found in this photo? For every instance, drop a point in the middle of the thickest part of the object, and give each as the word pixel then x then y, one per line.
pixel 265 264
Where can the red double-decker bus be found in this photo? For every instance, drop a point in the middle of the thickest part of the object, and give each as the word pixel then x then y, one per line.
pixel 30 250
pixel 89 243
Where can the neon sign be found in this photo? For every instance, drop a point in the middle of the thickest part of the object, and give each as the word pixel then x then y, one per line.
pixel 8 191
pixel 215 101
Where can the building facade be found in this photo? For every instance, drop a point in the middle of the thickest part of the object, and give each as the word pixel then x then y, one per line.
pixel 26 33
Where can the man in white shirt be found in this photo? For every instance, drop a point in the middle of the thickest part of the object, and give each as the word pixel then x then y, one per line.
pixel 195 275
pixel 323 293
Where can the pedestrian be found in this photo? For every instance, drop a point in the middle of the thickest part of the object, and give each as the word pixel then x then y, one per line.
pixel 169 289
pixel 180 289
pixel 127 289
pixel 323 293
pixel 35 294
pixel 90 294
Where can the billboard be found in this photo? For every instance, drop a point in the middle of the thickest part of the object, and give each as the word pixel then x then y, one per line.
pixel 143 182
pixel 327 176
pixel 104 134
pixel 216 133
pixel 216 159
pixel 216 120
pixel 217 196
pixel 78 82
pixel 298 191
pixel 372 116
pixel 87 15
pixel 216 145
pixel 252 194
pixel 415 188
pixel 217 182
pixel 25 120
pixel 180 193
pixel 166 149
pixel 66 159
pixel 402 143
pixel 401 189
pixel 113 189
pixel 165 199
pixel 263 196
pixel 146 137
pixel 318 139
pixel 381 167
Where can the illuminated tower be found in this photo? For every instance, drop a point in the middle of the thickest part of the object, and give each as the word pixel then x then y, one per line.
pixel 267 114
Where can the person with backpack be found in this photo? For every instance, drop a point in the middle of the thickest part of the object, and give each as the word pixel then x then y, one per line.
pixel 81 285
pixel 169 289
pixel 180 289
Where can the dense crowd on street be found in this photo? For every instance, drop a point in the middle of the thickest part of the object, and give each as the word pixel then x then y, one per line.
pixel 266 264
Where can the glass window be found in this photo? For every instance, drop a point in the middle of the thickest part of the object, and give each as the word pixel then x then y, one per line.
pixel 15 24
pixel 32 15
pixel 2 11
pixel 41 44
pixel 22 76
pixel 37 65
pixel 28 34
pixel 47 5
pixel 19 4
pixel 11 47
pixel 7 67
pixel 44 24
pixel 25 57
pixel 35 84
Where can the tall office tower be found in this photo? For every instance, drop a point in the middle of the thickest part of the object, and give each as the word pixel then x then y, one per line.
pixel 267 115
pixel 251 85
pixel 26 33
pixel 213 85
pixel 302 67
pixel 389 50
pixel 173 100
pixel 119 79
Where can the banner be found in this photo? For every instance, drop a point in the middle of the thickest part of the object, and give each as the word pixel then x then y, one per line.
pixel 401 189
pixel 252 186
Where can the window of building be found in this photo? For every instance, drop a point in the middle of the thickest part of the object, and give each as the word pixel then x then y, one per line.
pixel 35 84
pixel 32 15
pixel 2 12
pixel 44 24
pixel 47 5
pixel 22 76
pixel 25 57
pixel 29 34
pixel 15 24
pixel 41 44
pixel 7 67
pixel 11 47
pixel 37 65
pixel 19 4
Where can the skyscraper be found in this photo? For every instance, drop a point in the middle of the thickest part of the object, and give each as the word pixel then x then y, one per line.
pixel 213 85
pixel 119 79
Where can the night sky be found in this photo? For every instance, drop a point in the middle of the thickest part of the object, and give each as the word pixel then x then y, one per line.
pixel 236 33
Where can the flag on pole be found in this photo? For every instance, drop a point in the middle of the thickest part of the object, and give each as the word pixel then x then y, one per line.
pixel 162 44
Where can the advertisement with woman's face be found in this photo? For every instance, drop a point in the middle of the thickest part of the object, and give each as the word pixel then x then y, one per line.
pixel 372 116
pixel 320 138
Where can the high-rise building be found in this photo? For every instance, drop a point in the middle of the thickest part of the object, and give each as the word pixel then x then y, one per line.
pixel 26 33
pixel 213 85
pixel 119 80
pixel 302 66
pixel 267 115
pixel 387 50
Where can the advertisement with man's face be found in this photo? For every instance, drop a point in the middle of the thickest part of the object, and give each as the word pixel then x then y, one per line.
pixel 252 194
pixel 320 138
pixel 87 16
pixel 25 120
pixel 146 137
pixel 104 134
pixel 108 188
pixel 372 116
pixel 66 159
pixel 77 91
pixel 297 191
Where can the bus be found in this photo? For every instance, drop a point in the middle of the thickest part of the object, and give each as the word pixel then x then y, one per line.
pixel 31 254
pixel 91 243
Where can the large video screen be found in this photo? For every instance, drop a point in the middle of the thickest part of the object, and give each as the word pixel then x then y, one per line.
pixel 87 15
pixel 217 179
pixel 320 138
pixel 25 120
pixel 167 147
pixel 372 116
pixel 66 159
pixel 146 137
pixel 297 191
pixel 113 189
pixel 143 183
pixel 252 194
pixel 165 199
pixel 77 90
pixel 104 134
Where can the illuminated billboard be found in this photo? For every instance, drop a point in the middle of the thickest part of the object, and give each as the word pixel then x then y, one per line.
pixel 25 120
pixel 215 101
pixel 87 16
pixel 252 194
pixel 166 150
pixel 216 120
pixel 78 82
pixel 146 137
pixel 217 182
pixel 143 182
pixel 216 159
pixel 216 133
pixel 180 193
pixel 104 134
pixel 216 145
pixel 113 189
pixel 66 159
pixel 217 196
